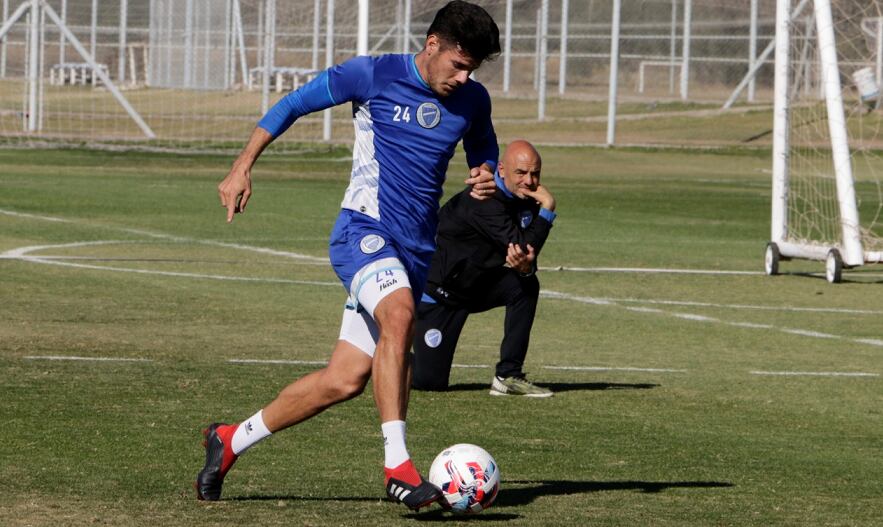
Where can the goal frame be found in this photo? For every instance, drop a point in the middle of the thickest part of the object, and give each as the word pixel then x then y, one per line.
pixel 849 252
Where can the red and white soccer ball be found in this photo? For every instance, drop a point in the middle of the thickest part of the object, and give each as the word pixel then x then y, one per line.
pixel 468 476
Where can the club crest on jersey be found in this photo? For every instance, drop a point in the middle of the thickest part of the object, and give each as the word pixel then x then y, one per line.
pixel 526 218
pixel 371 244
pixel 428 115
pixel 433 338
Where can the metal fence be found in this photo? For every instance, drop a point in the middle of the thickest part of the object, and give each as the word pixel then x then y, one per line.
pixel 201 72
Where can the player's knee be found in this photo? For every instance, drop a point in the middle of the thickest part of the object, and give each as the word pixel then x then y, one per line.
pixel 396 319
pixel 344 388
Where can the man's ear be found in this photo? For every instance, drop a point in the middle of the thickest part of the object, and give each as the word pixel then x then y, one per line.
pixel 432 44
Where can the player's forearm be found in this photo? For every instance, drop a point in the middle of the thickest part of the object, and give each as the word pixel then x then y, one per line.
pixel 258 141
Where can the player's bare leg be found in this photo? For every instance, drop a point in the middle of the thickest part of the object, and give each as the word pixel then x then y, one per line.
pixel 345 377
pixel 395 318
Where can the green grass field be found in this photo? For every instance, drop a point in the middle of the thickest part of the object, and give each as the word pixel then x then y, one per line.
pixel 681 414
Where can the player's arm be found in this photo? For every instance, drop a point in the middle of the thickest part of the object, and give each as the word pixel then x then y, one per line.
pixel 343 82
pixel 498 229
pixel 235 189
pixel 482 150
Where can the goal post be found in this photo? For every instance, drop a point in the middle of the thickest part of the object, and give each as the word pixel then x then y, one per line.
pixel 820 133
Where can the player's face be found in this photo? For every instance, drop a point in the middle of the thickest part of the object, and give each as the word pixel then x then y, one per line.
pixel 447 67
pixel 521 173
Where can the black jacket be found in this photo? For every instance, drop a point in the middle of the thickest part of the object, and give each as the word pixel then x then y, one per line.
pixel 473 238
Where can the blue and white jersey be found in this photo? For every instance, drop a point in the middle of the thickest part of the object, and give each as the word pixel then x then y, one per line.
pixel 405 137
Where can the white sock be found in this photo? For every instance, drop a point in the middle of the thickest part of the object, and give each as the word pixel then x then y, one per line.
pixel 394 443
pixel 249 432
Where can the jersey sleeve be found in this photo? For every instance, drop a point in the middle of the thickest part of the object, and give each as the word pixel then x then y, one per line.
pixel 480 141
pixel 349 81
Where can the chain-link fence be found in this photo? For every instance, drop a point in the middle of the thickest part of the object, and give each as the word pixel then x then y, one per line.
pixel 200 72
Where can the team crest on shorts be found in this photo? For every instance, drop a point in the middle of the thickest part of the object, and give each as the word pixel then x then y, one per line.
pixel 371 244
pixel 428 115
pixel 433 338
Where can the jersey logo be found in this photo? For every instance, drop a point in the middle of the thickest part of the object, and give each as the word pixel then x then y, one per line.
pixel 372 243
pixel 526 218
pixel 433 338
pixel 428 115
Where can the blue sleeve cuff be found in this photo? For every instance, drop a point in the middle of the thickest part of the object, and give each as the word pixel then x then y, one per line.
pixel 548 215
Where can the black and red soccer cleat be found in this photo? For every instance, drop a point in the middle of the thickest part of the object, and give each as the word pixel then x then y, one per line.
pixel 405 485
pixel 219 457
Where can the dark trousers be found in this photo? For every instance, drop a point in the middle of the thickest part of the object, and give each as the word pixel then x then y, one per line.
pixel 439 325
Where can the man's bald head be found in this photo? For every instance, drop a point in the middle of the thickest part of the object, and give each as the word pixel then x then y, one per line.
pixel 520 167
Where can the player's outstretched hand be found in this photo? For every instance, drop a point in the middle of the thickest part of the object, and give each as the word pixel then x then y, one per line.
pixel 542 196
pixel 517 259
pixel 235 189
pixel 482 180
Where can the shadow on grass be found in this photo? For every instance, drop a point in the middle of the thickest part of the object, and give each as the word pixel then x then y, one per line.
pixel 561 386
pixel 438 515
pixel 524 493
pixel 868 277
pixel 532 490
pixel 292 497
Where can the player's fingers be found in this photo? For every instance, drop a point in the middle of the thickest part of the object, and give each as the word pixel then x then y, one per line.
pixel 480 195
pixel 245 195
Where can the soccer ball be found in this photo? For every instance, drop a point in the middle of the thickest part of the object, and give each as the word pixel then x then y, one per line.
pixel 468 476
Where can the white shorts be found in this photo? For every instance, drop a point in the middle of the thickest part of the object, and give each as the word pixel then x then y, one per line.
pixel 370 285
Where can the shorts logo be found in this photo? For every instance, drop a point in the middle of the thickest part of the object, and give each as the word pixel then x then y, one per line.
pixel 433 338
pixel 371 244
pixel 428 115
pixel 526 218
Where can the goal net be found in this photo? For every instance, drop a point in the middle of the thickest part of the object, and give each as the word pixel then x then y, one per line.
pixel 827 193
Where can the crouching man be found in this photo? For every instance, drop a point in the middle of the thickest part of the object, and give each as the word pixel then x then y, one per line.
pixel 486 258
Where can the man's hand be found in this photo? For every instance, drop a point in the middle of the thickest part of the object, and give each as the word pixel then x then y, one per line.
pixel 482 180
pixel 542 196
pixel 235 189
pixel 518 260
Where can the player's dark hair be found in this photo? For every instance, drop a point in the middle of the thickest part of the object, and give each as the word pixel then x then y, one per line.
pixel 468 26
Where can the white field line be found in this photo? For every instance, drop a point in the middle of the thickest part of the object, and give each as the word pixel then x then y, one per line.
pixel 22 253
pixel 648 270
pixel 297 256
pixel 705 319
pixel 279 361
pixel 467 366
pixel 815 373
pixel 743 306
pixel 88 359
pixel 565 368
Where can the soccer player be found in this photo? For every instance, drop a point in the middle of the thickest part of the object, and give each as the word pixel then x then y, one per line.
pixel 409 113
pixel 486 258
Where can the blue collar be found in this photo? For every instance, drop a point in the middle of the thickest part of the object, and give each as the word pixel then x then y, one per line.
pixel 413 61
pixel 502 186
